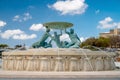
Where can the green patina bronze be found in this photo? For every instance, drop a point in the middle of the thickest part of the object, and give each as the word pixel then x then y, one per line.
pixel 58 25
pixel 41 42
pixel 75 41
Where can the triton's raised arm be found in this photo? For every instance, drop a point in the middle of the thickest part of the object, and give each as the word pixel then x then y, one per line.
pixel 65 30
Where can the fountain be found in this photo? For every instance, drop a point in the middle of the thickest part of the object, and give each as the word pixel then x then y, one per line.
pixel 67 61
pixel 67 57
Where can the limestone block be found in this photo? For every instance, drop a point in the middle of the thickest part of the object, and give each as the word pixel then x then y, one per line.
pixel 4 62
pixel 87 64
pixel 14 63
pixel 59 64
pixel 37 64
pixel 30 65
pixel 52 63
pixel 99 66
pixel 67 62
pixel 81 63
pixel 10 62
pixel 112 64
pixel 19 65
pixel 107 63
pixel 73 64
pixel 44 64
pixel 25 64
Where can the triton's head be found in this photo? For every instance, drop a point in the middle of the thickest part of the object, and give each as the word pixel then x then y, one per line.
pixel 72 31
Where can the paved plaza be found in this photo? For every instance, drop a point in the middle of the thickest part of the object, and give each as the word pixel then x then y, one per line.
pixel 60 75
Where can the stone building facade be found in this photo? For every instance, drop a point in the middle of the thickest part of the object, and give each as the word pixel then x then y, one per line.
pixel 114 36
pixel 112 32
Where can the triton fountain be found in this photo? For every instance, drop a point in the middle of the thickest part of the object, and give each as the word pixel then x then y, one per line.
pixel 67 61
pixel 67 57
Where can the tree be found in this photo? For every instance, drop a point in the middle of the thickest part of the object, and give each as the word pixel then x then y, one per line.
pixel 114 41
pixel 102 42
pixel 3 45
pixel 18 46
pixel 90 41
pixel 97 42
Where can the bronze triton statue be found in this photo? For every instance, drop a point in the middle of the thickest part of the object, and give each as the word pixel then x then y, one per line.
pixel 41 42
pixel 75 41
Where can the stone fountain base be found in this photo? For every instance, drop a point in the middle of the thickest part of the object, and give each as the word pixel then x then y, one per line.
pixel 57 59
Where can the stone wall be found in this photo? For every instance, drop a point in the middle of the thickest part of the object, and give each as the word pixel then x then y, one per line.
pixel 56 62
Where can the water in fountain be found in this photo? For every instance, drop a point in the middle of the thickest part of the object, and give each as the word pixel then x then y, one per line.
pixel 10 61
pixel 43 59
pixel 87 61
pixel 59 62
pixel 39 63
pixel 107 60
pixel 112 62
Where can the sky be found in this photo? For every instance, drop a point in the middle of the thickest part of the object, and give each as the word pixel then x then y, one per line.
pixel 21 21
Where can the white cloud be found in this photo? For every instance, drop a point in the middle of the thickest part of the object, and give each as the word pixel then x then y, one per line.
pixel 21 18
pixel 2 23
pixel 82 39
pixel 16 34
pixel 24 36
pixel 71 7
pixel 27 16
pixel 16 18
pixel 9 33
pixel 65 37
pixel 106 23
pixel 37 27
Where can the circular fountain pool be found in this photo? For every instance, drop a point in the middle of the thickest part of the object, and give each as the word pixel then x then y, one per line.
pixel 58 59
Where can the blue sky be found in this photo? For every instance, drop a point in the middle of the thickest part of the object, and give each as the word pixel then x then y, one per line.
pixel 21 20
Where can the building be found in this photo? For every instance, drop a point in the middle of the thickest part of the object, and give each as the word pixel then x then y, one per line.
pixel 112 32
pixel 114 35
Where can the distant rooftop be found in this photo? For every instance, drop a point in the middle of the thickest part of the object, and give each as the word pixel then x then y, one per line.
pixel 112 32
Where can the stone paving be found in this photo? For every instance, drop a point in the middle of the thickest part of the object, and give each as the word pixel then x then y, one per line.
pixel 31 74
